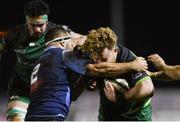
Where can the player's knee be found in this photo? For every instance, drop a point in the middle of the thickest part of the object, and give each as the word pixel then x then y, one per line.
pixel 16 117
pixel 17 109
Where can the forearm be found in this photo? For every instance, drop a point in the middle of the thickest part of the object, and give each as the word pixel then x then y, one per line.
pixel 79 37
pixel 160 75
pixel 108 69
pixel 172 72
pixel 140 92
pixel 122 68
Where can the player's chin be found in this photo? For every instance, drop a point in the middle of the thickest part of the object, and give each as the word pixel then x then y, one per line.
pixel 37 35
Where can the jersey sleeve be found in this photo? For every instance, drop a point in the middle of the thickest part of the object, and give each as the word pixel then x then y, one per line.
pixel 75 62
pixel 140 77
pixel 126 55
pixel 11 37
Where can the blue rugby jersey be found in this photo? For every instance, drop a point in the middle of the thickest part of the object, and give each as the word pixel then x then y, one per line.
pixel 50 93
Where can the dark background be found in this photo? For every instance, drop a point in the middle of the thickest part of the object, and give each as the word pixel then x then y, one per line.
pixel 146 26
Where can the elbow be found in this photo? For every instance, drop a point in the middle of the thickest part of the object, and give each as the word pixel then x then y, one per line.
pixel 90 70
pixel 150 87
pixel 147 89
pixel 151 92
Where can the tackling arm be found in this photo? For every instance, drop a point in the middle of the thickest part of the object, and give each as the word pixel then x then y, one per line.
pixel 142 90
pixel 77 39
pixel 114 69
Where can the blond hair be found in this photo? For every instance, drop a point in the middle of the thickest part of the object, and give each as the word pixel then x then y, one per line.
pixel 98 40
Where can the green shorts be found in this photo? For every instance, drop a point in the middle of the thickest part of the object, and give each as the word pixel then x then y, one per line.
pixel 143 115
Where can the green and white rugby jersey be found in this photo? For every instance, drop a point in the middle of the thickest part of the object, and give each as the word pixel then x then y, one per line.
pixel 27 50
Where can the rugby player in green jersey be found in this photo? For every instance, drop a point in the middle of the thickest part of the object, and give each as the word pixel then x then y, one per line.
pixel 131 99
pixel 27 43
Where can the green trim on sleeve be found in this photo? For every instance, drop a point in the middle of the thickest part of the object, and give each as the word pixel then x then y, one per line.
pixel 148 101
pixel 143 79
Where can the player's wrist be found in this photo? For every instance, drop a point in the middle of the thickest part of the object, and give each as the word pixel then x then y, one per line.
pixel 154 74
pixel 165 67
pixel 128 65
pixel 131 66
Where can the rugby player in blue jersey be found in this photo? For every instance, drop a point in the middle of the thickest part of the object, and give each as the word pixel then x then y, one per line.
pixel 50 89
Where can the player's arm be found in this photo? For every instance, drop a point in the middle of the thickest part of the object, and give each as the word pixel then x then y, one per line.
pixel 169 73
pixel 75 62
pixel 115 69
pixel 172 72
pixel 159 75
pixel 9 38
pixel 83 66
pixel 166 72
pixel 143 89
pixel 78 37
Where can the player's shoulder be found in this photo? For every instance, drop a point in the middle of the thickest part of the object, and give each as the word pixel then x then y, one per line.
pixel 124 54
pixel 15 34
pixel 16 30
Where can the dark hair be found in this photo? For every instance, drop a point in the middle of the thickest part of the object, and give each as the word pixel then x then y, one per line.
pixel 54 33
pixel 36 8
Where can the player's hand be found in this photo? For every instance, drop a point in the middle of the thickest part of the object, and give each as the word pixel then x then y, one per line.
pixel 139 64
pixel 110 92
pixel 148 72
pixel 157 61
